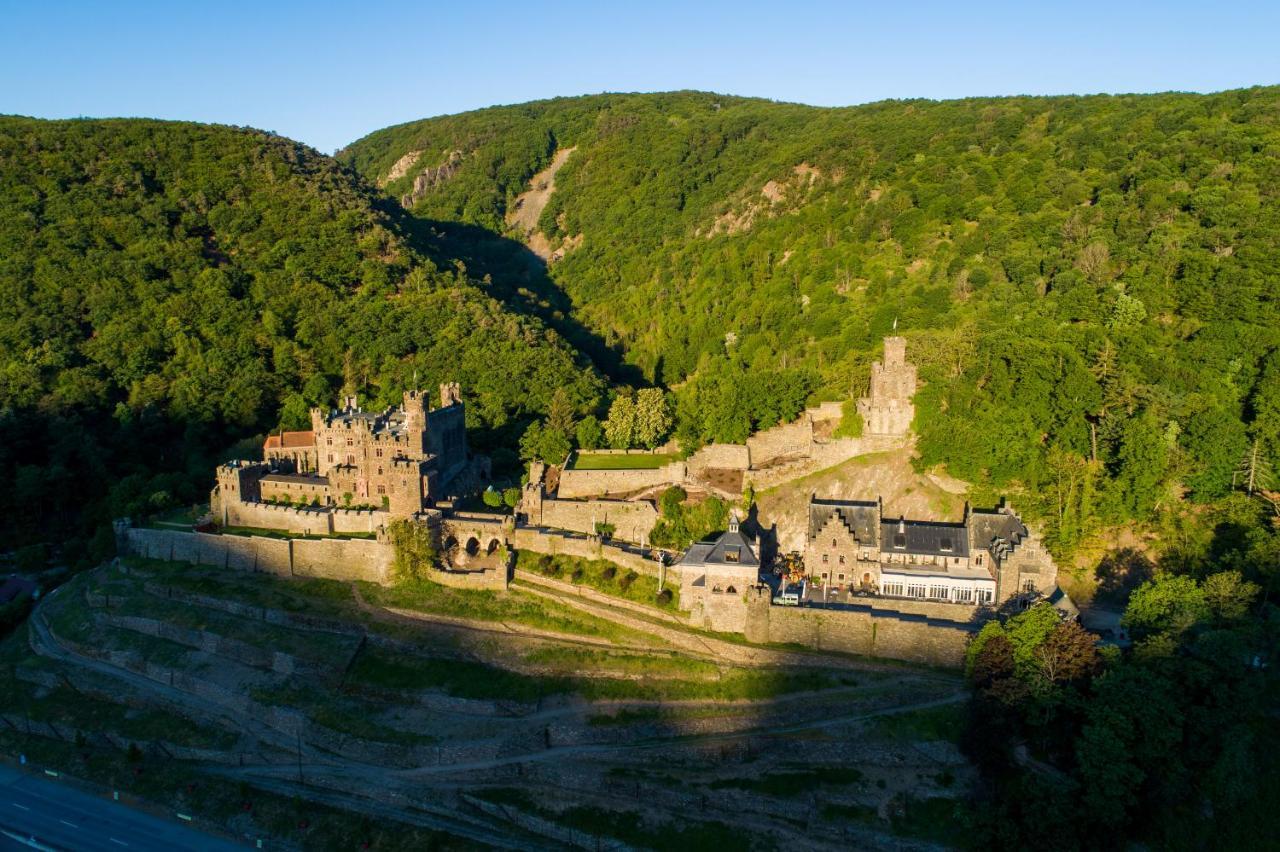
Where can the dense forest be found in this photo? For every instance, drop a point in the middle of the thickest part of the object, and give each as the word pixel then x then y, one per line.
pixel 169 289
pixel 1088 283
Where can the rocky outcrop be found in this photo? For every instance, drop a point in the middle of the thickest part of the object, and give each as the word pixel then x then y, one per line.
pixel 401 168
pixel 429 178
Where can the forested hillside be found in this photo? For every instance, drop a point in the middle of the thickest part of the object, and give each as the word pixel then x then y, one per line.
pixel 1088 283
pixel 167 289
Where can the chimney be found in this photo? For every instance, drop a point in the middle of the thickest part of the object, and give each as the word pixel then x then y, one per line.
pixel 902 523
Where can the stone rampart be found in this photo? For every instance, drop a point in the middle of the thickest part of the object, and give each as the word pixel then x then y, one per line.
pixel 633 520
pixel 541 541
pixel 787 439
pixel 869 631
pixel 343 559
pixel 602 483
pixel 331 558
pixel 720 457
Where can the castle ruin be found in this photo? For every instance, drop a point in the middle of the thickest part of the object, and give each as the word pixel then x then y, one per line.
pixel 888 410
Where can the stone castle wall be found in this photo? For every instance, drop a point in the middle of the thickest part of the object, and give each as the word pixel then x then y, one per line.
pixel 633 520
pixel 540 541
pixel 786 439
pixel 304 520
pixel 336 559
pixel 873 632
pixel 720 457
pixel 602 483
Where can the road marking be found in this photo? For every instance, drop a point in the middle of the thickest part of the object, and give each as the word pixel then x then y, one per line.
pixel 121 842
pixel 16 805
pixel 72 824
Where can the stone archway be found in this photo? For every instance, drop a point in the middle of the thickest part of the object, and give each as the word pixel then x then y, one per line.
pixel 473 546
pixel 451 543
pixel 493 546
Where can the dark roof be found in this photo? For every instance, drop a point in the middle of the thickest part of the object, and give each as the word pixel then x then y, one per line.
pixel 717 551
pixel 302 478
pixel 986 528
pixel 924 537
pixel 860 516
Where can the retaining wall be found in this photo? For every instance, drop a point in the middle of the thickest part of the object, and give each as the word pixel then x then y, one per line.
pixel 306 520
pixel 598 483
pixel 331 558
pixel 871 632
pixel 540 541
pixel 633 520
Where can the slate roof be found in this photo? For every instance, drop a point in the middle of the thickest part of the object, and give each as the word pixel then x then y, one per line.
pixel 924 538
pixel 988 527
pixel 862 517
pixel 713 552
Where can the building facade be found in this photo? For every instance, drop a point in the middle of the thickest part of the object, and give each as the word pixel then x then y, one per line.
pixel 716 575
pixel 986 559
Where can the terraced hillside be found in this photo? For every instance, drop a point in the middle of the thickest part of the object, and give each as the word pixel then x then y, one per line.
pixel 551 714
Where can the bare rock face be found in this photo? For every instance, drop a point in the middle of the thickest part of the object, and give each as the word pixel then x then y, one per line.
pixel 401 168
pixel 431 177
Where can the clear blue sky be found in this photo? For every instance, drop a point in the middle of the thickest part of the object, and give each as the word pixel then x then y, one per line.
pixel 327 73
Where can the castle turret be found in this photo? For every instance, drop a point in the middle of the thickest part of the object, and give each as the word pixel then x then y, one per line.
pixel 888 409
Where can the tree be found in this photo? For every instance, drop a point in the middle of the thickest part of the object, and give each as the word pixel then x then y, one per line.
pixel 491 498
pixel 511 497
pixel 652 418
pixel 415 552
pixel 1167 604
pixel 620 426
pixel 589 433
pixel 1069 655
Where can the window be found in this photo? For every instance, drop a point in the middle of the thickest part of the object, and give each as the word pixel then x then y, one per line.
pixel 893 589
pixel 378 452
pixel 349 442
pixel 945 545
pixel 382 489
pixel 379 471
pixel 330 456
pixel 842 578
pixel 351 459
pixel 985 596
pixel 833 542
pixel 915 591
pixel 841 558
pixel 1028 585
pixel 825 557
pixel 717 590
pixel 979 560
pixel 899 541
pixel 939 592
pixel 964 595
pixel 329 441
pixel 730 591
pixel 731 554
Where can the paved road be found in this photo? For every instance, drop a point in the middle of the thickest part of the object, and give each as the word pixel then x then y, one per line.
pixel 62 817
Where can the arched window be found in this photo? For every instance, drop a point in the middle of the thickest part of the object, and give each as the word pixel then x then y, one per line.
pixel 731 591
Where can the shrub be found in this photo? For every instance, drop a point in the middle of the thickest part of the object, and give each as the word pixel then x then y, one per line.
pixel 577 575
pixel 627 579
pixel 609 572
pixel 664 597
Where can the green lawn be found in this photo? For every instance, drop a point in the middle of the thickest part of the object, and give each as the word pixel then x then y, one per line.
pixel 622 461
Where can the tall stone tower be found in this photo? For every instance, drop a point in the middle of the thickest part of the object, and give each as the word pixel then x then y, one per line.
pixel 888 410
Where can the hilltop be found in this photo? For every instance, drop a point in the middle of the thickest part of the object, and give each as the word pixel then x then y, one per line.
pixel 167 289
pixel 1088 281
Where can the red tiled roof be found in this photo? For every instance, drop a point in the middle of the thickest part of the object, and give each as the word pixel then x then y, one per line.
pixel 290 440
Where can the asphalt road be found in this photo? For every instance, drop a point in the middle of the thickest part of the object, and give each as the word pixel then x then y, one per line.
pixel 61 817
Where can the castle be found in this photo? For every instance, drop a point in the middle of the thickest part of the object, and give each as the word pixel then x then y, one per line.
pixel 389 464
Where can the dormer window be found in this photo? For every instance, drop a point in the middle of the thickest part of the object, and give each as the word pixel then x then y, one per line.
pixel 900 541
pixel 731 554
pixel 945 545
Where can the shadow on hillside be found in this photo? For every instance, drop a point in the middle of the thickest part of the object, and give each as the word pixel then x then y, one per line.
pixel 518 278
